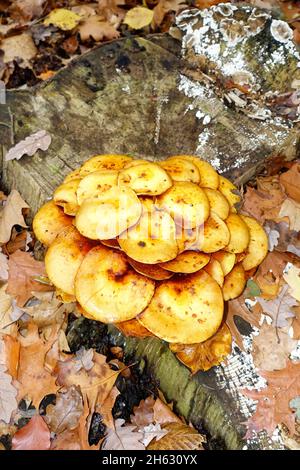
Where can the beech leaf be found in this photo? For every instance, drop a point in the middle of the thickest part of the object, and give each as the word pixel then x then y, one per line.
pixel 179 437
pixel 63 19
pixel 291 209
pixel 11 214
pixel 138 17
pixel 30 145
pixel 292 278
pixel 35 435
pixel 94 27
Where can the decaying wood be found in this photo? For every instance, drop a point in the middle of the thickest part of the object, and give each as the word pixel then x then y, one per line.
pixel 152 98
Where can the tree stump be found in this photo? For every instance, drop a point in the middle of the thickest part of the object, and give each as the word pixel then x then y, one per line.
pixel 214 93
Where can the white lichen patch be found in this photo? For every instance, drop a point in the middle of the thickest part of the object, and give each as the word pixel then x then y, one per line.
pixel 281 31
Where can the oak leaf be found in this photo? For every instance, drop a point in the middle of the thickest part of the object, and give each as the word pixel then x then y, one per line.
pixel 123 438
pixel 27 9
pixel 143 414
pixel 290 180
pixel 46 309
pixel 65 414
pixel 30 145
pixel 11 214
pixel 279 309
pixel 94 27
pixel 3 267
pixel 163 413
pixel 238 308
pixel 165 6
pixel 35 435
pixel 106 407
pixel 67 440
pixel 179 437
pixel 34 381
pixel 203 356
pixel 271 348
pixel 95 384
pixel 24 272
pixel 273 401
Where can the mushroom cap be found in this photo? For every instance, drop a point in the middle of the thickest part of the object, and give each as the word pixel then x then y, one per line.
pixel 108 288
pixel 49 221
pixel 186 310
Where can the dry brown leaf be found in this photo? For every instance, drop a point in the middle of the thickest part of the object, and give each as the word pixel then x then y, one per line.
pixel 291 209
pixel 163 413
pixel 106 408
pixel 83 428
pixel 280 308
pixel 46 309
pixel 179 437
pixel 271 348
pixel 11 353
pixel 8 393
pixel 237 307
pixel 19 47
pixel 290 180
pixel 123 438
pixel 264 202
pixel 273 401
pixel 143 414
pixel 203 356
pixel 95 384
pixel 67 440
pixel 165 6
pixel 29 146
pixel 65 414
pixel 3 267
pixel 35 435
pixel 27 9
pixel 11 214
pixel 24 271
pixel 18 241
pixel 34 381
pixel 94 27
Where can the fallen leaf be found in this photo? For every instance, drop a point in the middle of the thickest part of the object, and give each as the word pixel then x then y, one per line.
pixel 143 414
pixel 264 202
pixel 67 440
pixel 138 17
pixel 70 45
pixel 19 47
pixel 34 381
pixel 292 278
pixel 271 348
pixel 237 307
pixel 63 19
pixel 291 209
pixel 152 431
pixel 64 415
pixel 252 288
pixel 273 401
pixel 23 272
pixel 27 9
pixel 95 384
pixel 94 27
pixel 279 309
pixel 8 393
pixel 11 351
pixel 3 267
pixel 165 6
pixel 106 407
pixel 35 435
pixel 5 309
pixel 295 406
pixel 84 359
pixel 123 438
pixel 290 180
pixel 46 309
pixel 273 237
pixel 29 146
pixel 133 328
pixel 203 356
pixel 11 214
pixel 18 241
pixel 163 413
pixel 83 428
pixel 179 437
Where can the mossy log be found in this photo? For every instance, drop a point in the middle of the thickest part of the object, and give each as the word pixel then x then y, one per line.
pixel 150 98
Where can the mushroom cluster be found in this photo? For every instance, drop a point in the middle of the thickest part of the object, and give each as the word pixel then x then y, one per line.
pixel 161 243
